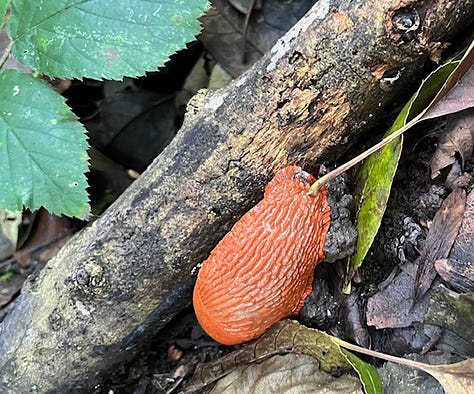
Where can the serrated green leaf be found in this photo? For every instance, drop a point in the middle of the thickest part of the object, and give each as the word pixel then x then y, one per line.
pixel 43 148
pixel 377 172
pixel 368 375
pixel 101 38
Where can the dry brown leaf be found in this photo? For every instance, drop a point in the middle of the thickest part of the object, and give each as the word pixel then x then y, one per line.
pixel 455 378
pixel 284 374
pixel 392 306
pixel 284 337
pixel 459 275
pixel 458 137
pixel 458 93
pixel 439 240
pixel 458 269
pixel 9 224
pixel 48 234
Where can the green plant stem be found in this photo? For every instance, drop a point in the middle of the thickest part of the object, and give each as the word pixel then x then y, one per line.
pixel 383 356
pixel 464 64
pixel 6 54
pixel 351 163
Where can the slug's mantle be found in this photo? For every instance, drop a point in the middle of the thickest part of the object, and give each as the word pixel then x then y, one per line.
pixel 262 270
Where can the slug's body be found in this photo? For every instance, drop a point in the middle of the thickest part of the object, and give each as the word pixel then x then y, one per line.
pixel 262 270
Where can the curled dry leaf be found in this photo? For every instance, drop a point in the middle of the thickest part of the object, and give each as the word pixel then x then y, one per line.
pixel 458 138
pixel 459 275
pixel 48 234
pixel 457 93
pixel 355 329
pixel 457 378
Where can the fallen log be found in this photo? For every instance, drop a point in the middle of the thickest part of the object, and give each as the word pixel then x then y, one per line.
pixel 121 279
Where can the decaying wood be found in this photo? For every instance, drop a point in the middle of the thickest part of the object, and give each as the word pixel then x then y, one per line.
pixel 126 275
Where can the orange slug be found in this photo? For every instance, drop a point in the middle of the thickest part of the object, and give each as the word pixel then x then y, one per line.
pixel 262 270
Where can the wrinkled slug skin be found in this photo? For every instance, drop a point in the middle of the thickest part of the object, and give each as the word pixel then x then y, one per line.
pixel 262 270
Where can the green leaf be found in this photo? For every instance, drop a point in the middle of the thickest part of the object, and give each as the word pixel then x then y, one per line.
pixel 375 176
pixel 455 378
pixel 430 88
pixel 101 38
pixel 43 148
pixel 368 375
pixel 3 10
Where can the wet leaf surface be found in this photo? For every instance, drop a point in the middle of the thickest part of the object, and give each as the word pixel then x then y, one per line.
pixel 376 176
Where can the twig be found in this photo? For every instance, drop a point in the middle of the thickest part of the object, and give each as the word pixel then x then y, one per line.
pixel 351 163
pixel 244 33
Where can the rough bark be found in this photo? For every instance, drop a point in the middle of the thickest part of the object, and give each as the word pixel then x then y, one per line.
pixel 125 276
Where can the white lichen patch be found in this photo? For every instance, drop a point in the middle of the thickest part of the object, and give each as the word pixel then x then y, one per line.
pixel 215 101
